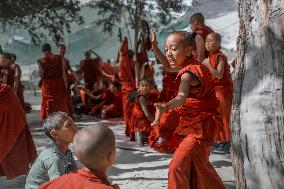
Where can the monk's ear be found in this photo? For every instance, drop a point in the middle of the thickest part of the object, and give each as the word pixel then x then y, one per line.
pixel 111 156
pixel 189 50
pixel 53 133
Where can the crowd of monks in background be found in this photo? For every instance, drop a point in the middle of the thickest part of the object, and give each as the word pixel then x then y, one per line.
pixel 126 89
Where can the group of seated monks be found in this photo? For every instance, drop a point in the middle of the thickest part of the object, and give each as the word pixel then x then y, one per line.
pixel 189 116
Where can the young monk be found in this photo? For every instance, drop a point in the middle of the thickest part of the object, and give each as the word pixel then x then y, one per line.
pixel 218 66
pixel 127 79
pixel 95 148
pixel 115 108
pixel 196 100
pixel 143 112
pixel 53 74
pixel 200 31
pixel 56 159
pixel 17 147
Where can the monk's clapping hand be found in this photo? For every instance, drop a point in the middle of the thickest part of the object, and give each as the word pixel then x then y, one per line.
pixel 160 109
pixel 153 38
pixel 206 62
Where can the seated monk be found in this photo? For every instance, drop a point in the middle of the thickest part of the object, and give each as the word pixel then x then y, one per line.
pixel 115 108
pixel 197 105
pixel 95 149
pixel 147 71
pixel 105 97
pixel 17 147
pixel 218 66
pixel 143 112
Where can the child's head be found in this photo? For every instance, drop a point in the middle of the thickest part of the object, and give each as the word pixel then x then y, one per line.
pixel 178 48
pixel 104 84
pixel 144 86
pixel 60 127
pixel 5 59
pixel 95 147
pixel 61 49
pixel 130 54
pixel 46 48
pixel 213 42
pixel 196 20
pixel 115 86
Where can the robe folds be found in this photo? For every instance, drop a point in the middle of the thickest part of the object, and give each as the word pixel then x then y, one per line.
pixel 195 134
pixel 115 108
pixel 79 179
pixel 127 79
pixel 224 93
pixel 139 120
pixel 16 143
pixel 169 120
pixel 55 93
pixel 91 71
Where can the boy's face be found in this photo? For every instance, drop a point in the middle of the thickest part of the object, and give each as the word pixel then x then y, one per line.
pixel 113 88
pixel 66 132
pixel 4 61
pixel 175 51
pixel 144 87
pixel 211 43
pixel 62 50
pixel 193 25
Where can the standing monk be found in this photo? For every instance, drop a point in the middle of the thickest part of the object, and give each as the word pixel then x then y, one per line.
pixel 55 93
pixel 127 78
pixel 91 70
pixel 217 64
pixel 17 146
pixel 71 76
pixel 200 31
pixel 196 131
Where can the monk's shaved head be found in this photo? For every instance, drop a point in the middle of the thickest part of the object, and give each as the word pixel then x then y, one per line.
pixel 94 144
pixel 185 38
pixel 216 36
pixel 197 17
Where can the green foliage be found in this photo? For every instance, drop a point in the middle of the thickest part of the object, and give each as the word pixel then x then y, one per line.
pixel 40 17
pixel 156 12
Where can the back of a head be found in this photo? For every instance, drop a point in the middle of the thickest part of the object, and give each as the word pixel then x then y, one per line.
pixel 93 145
pixel 185 38
pixel 46 47
pixel 198 17
pixel 130 54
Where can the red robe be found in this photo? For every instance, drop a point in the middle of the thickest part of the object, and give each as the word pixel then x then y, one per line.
pixel 106 99
pixel 203 31
pixel 127 79
pixel 169 120
pixel 107 68
pixel 139 120
pixel 115 108
pixel 91 71
pixel 195 134
pixel 80 179
pixel 16 143
pixel 224 93
pixel 55 95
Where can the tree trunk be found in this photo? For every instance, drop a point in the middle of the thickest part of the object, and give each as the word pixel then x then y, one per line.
pixel 257 114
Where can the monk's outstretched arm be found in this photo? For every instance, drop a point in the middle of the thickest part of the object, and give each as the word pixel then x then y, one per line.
pixel 143 104
pixel 176 102
pixel 160 55
pixel 219 72
pixel 17 78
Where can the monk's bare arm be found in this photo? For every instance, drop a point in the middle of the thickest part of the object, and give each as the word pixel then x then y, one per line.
pixel 160 55
pixel 143 104
pixel 41 72
pixel 184 86
pixel 200 48
pixel 176 102
pixel 219 72
pixel 17 79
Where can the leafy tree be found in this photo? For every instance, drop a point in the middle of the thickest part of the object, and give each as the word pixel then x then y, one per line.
pixel 157 12
pixel 41 17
